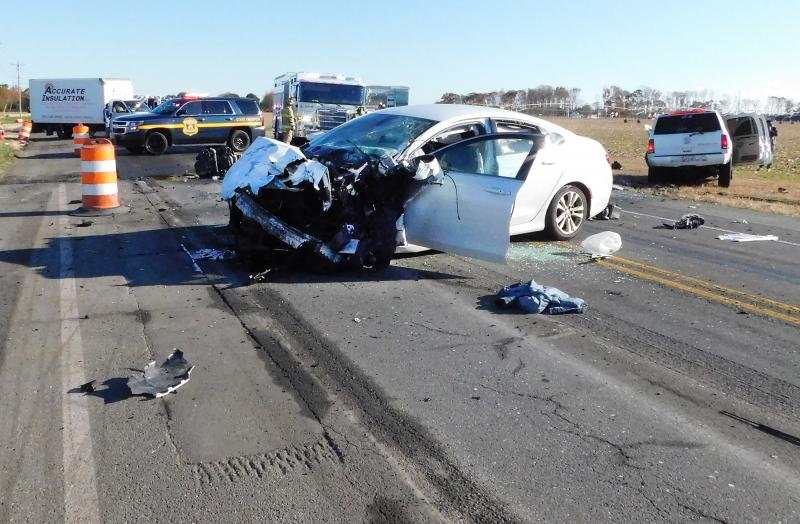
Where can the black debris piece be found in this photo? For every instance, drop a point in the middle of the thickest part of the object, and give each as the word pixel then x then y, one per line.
pixel 690 221
pixel 157 381
pixel 75 202
pixel 214 161
pixel 88 387
pixel 616 165
pixel 611 212
pixel 84 223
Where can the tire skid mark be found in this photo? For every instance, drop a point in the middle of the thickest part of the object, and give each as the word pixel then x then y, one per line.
pixel 280 462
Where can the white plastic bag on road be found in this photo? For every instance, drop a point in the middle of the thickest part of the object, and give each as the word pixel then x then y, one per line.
pixel 602 244
pixel 746 237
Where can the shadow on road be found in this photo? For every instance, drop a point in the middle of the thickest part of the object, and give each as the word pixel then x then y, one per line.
pixel 158 258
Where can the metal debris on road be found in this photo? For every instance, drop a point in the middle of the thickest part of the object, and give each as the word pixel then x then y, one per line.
pixel 746 237
pixel 690 221
pixel 211 254
pixel 158 381
pixel 616 165
pixel 215 161
pixel 534 298
pixel 611 212
pixel 602 244
pixel 88 387
pixel 84 223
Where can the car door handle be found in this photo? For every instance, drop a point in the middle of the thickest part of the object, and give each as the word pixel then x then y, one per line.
pixel 201 119
pixel 497 191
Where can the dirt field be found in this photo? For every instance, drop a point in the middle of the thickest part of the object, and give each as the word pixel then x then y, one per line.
pixel 776 190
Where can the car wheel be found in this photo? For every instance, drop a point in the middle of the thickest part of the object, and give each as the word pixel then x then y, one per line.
pixel 156 143
pixel 566 214
pixel 725 174
pixel 239 140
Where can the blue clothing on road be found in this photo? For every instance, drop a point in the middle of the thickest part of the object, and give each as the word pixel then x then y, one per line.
pixel 533 298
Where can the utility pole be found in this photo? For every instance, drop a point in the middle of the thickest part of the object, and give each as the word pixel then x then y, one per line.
pixel 19 88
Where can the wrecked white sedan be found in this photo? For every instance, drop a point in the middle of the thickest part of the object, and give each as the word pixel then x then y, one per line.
pixel 461 177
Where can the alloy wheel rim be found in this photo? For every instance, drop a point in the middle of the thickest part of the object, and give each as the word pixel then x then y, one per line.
pixel 569 212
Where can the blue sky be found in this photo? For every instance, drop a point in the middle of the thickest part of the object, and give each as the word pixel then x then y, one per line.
pixel 735 47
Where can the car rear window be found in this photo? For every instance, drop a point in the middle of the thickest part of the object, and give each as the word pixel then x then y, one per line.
pixel 690 123
pixel 247 106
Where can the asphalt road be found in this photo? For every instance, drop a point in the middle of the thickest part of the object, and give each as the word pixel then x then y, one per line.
pixel 401 395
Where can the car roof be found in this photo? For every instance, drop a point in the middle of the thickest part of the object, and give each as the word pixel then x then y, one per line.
pixel 443 112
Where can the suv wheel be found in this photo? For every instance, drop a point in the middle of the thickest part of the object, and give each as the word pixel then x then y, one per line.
pixel 566 214
pixel 156 143
pixel 726 174
pixel 239 140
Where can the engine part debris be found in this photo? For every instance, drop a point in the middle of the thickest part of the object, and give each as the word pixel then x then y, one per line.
pixel 690 221
pixel 531 297
pixel 214 161
pixel 88 387
pixel 602 244
pixel 158 381
pixel 746 237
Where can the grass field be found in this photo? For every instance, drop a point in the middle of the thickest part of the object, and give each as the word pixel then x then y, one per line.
pixel 11 118
pixel 776 190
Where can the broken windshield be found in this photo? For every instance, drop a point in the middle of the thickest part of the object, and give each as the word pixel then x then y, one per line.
pixel 374 134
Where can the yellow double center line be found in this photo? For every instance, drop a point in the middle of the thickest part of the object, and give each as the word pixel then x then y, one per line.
pixel 725 295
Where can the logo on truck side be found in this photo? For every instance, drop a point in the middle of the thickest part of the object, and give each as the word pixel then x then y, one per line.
pixel 190 126
pixel 63 94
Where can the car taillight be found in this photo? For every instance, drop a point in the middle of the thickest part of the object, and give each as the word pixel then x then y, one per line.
pixel 651 146
pixel 724 141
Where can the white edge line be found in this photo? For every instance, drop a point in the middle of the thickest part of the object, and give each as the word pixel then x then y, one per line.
pixel 81 504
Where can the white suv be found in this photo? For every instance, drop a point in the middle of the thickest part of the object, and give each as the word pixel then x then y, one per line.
pixel 696 138
pixel 701 139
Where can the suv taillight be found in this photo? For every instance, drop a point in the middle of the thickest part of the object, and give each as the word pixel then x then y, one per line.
pixel 651 146
pixel 724 141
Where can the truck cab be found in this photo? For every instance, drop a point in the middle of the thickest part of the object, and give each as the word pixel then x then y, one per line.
pixel 323 101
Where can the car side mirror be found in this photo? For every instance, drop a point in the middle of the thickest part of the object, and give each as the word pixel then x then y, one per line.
pixel 428 168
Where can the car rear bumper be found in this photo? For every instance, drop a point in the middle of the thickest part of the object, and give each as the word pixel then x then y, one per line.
pixel 709 159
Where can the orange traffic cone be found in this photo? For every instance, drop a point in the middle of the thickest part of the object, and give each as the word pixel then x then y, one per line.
pixel 100 194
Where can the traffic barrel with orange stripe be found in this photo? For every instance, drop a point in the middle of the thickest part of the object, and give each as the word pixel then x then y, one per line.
pixel 25 132
pixel 80 135
pixel 99 175
pixel 2 134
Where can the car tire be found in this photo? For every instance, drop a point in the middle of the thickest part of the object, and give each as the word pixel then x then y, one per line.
pixel 64 132
pixel 156 143
pixel 239 140
pixel 725 174
pixel 567 213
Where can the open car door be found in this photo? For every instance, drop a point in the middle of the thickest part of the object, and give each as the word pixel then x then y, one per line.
pixel 746 146
pixel 467 209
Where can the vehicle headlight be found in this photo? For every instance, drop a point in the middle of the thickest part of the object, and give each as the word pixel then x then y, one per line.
pixel 133 126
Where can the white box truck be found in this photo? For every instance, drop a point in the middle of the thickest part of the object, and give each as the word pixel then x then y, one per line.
pixel 58 104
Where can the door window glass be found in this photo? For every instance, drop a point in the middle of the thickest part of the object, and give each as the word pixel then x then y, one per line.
pixel 501 157
pixel 192 108
pixel 217 107
pixel 453 135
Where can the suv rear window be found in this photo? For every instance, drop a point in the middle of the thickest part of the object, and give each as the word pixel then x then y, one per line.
pixel 247 106
pixel 690 123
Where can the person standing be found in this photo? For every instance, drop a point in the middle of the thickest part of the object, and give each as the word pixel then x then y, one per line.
pixel 773 135
pixel 288 122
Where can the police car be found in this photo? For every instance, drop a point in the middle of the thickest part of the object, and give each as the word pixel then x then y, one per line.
pixel 188 121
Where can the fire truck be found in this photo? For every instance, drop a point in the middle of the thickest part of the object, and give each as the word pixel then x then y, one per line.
pixel 323 101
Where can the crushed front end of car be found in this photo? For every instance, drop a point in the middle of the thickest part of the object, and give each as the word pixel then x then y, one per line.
pixel 340 213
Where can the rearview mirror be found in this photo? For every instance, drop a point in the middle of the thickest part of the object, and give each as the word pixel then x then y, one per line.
pixel 428 168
